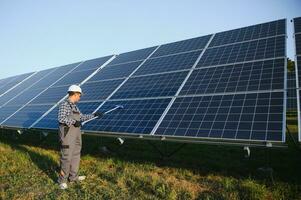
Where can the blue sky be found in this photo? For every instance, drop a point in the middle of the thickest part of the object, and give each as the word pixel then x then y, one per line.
pixel 37 35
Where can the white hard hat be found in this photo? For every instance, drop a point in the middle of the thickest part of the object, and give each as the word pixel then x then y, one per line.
pixel 75 88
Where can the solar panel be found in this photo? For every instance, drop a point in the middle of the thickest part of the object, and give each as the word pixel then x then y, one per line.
pixel 116 71
pixel 100 89
pixel 297 36
pixel 236 92
pixel 250 76
pixel 10 82
pixel 23 86
pixel 138 116
pixel 272 47
pixel 133 55
pixel 225 86
pixel 157 85
pixel 168 63
pixel 50 121
pixel 27 115
pixel 291 91
pixel 251 116
pixel 182 46
pixel 258 31
pixel 52 94
pixel 103 83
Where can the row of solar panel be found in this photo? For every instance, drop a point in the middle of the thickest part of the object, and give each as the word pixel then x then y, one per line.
pixel 228 85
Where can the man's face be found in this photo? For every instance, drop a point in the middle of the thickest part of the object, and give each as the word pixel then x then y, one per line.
pixel 76 97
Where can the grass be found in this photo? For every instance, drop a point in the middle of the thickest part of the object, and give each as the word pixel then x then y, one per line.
pixel 28 170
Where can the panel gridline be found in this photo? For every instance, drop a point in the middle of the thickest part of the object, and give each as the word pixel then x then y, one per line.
pixel 249 33
pixel 252 76
pixel 242 52
pixel 253 116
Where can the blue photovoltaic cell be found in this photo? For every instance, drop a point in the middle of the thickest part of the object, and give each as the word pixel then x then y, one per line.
pixel 133 55
pixel 182 46
pixel 7 111
pixel 99 90
pixel 137 116
pixel 241 52
pixel 12 81
pixel 55 75
pixel 291 90
pixel 298 43
pixel 115 71
pixel 92 64
pixel 23 86
pixel 257 116
pixel 25 97
pixel 74 77
pixel 26 116
pixel 158 85
pixel 252 76
pixel 51 95
pixel 297 25
pixel 50 121
pixel 168 63
pixel 249 33
pixel 298 67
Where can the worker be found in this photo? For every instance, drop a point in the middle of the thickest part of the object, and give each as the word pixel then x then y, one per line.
pixel 70 119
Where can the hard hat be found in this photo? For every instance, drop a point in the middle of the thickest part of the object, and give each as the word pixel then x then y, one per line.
pixel 75 88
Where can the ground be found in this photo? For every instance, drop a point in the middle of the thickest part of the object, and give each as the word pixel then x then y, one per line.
pixel 28 170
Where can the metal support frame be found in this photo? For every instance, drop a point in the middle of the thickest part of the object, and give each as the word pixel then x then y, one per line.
pixel 163 152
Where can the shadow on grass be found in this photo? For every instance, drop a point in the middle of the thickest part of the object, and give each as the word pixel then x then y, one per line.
pixel 201 159
pixel 45 163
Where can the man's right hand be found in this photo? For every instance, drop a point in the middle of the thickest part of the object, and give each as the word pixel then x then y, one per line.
pixel 77 124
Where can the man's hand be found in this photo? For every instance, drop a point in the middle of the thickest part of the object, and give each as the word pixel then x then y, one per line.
pixel 98 114
pixel 77 124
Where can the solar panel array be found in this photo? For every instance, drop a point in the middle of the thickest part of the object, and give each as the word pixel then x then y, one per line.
pixel 297 36
pixel 225 86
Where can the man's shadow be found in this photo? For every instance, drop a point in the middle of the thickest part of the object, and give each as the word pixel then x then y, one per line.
pixel 45 163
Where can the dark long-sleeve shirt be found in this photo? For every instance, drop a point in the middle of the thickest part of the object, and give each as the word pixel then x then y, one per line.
pixel 66 108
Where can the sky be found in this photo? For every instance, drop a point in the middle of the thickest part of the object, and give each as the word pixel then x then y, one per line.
pixel 37 35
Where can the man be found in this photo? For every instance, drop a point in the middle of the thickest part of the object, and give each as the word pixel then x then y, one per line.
pixel 70 119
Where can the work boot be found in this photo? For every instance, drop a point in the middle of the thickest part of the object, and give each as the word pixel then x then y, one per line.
pixel 78 179
pixel 63 186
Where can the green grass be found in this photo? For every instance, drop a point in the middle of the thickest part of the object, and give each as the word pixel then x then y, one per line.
pixel 28 170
